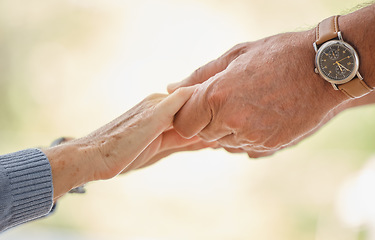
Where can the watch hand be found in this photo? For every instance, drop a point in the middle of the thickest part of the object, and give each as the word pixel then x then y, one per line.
pixel 343 67
pixel 339 65
pixel 338 62
pixel 343 59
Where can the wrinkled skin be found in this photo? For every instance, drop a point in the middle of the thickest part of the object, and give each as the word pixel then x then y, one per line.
pixel 138 138
pixel 259 97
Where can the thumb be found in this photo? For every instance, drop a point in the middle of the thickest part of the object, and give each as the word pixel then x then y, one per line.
pixel 172 103
pixel 194 116
pixel 165 111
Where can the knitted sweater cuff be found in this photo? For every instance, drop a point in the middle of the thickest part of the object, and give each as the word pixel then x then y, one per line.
pixel 30 187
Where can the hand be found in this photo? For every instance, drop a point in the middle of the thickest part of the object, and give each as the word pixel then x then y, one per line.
pixel 142 135
pixel 259 97
pixel 138 138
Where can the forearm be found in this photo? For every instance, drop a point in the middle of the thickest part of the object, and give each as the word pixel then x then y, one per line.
pixel 109 150
pixel 72 165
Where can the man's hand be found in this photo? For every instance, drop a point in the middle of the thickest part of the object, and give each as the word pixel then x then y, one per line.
pixel 259 97
pixel 262 96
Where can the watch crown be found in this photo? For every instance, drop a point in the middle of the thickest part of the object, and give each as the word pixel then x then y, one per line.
pixel 316 70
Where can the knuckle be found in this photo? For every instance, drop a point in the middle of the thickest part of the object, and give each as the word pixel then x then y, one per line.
pixel 198 75
pixel 179 91
pixel 236 51
pixel 215 95
pixel 182 91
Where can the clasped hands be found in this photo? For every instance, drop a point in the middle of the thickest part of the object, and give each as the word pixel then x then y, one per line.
pixel 258 98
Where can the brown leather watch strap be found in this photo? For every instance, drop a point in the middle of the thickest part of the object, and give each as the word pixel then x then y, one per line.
pixel 355 88
pixel 327 30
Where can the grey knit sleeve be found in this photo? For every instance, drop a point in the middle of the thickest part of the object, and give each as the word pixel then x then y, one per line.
pixel 26 189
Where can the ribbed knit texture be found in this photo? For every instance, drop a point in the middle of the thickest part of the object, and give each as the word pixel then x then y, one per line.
pixel 26 189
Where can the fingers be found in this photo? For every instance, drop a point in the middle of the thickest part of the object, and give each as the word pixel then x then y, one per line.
pixel 200 75
pixel 167 143
pixel 256 154
pixel 171 139
pixel 169 106
pixel 149 137
pixel 215 131
pixel 194 116
pixel 209 70
pixel 191 147
pixel 233 145
pixel 234 150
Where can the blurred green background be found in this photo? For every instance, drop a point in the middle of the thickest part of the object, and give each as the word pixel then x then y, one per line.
pixel 68 67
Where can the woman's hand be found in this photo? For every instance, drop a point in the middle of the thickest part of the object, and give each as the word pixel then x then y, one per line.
pixel 147 136
pixel 138 138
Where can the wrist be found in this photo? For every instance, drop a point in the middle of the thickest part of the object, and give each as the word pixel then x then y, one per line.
pixel 358 29
pixel 326 96
pixel 70 167
pixel 357 32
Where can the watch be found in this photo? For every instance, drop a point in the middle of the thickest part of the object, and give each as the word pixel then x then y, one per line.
pixel 337 61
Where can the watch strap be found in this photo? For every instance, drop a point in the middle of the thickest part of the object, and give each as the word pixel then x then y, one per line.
pixel 355 88
pixel 327 30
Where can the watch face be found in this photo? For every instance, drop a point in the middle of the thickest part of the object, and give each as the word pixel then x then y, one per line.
pixel 337 62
